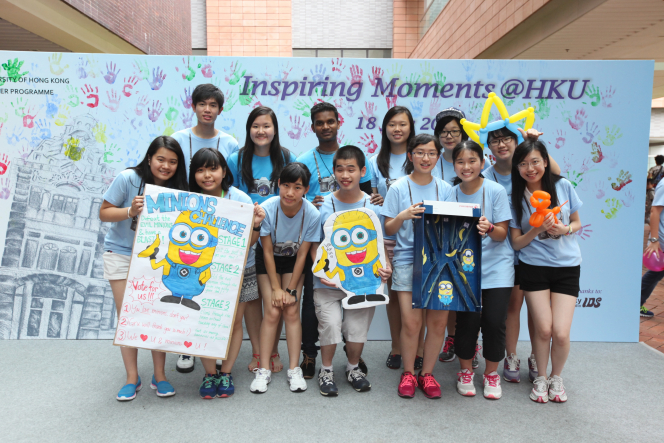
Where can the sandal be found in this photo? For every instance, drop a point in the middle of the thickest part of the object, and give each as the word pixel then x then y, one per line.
pixel 393 361
pixel 258 363
pixel 272 357
pixel 419 361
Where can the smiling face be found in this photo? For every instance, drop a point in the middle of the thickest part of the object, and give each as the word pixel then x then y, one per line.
pixel 532 167
pixel 209 178
pixel 354 239
pixel 191 243
pixel 291 193
pixel 468 165
pixel 207 111
pixel 450 136
pixel 163 165
pixel 262 131
pixel 424 158
pixel 502 146
pixel 325 126
pixel 348 174
pixel 398 129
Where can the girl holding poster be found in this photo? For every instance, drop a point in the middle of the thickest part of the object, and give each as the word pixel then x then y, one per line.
pixel 291 224
pixel 497 271
pixel 256 168
pixel 403 205
pixel 209 174
pixel 549 262
pixel 387 167
pixel 163 165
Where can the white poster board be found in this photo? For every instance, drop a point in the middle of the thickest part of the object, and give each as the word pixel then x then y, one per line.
pixel 186 272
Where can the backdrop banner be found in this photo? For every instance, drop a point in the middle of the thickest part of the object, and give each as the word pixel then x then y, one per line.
pixel 70 122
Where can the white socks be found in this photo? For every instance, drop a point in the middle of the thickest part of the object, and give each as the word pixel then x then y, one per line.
pixel 329 368
pixel 350 366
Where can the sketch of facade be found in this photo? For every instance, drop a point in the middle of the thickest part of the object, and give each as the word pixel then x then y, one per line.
pixel 51 278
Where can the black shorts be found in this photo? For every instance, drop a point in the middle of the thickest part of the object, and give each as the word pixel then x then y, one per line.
pixel 517 275
pixel 284 265
pixel 563 280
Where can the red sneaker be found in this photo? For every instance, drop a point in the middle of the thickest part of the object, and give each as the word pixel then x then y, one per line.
pixel 428 385
pixel 407 385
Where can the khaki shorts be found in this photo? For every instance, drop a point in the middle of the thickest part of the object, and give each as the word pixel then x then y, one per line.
pixel 335 323
pixel 116 266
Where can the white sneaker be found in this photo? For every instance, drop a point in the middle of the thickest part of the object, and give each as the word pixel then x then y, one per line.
pixel 185 363
pixel 465 384
pixel 557 392
pixel 296 380
pixel 218 364
pixel 492 387
pixel 259 385
pixel 540 390
pixel 532 368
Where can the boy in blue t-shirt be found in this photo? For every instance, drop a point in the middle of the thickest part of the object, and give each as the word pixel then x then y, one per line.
pixel 207 101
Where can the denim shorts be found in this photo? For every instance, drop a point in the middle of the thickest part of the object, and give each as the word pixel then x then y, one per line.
pixel 402 278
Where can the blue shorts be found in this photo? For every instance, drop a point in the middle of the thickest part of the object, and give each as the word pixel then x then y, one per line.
pixel 402 278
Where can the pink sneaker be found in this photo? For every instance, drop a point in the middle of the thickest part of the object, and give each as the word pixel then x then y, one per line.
pixel 407 385
pixel 428 385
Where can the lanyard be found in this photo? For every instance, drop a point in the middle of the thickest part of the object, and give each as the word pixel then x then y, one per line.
pixel 190 151
pixel 335 209
pixel 334 180
pixel 276 223
pixel 411 196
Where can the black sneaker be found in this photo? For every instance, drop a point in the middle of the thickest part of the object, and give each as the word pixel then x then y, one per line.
pixel 419 361
pixel 361 363
pixel 448 350
pixel 326 383
pixel 358 380
pixel 308 366
pixel 646 313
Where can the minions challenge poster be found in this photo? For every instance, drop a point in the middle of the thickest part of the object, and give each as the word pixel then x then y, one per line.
pixel 185 274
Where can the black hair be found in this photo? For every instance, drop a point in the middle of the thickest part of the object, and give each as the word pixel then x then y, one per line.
pixel 179 179
pixel 383 157
pixel 209 158
pixel 349 152
pixel 279 156
pixel 659 159
pixel 206 91
pixel 443 122
pixel 549 179
pixel 420 139
pixel 499 133
pixel 322 107
pixel 294 171
pixel 469 145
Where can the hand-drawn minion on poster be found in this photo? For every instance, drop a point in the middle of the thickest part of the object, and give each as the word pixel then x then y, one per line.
pixel 351 254
pixel 186 266
pixel 468 260
pixel 445 292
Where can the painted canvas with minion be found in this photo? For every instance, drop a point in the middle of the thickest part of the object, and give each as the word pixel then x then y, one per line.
pixel 185 274
pixel 350 256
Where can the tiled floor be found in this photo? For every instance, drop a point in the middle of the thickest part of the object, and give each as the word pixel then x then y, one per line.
pixel 652 329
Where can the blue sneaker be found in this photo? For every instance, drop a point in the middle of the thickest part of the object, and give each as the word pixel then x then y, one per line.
pixel 208 389
pixel 128 391
pixel 164 388
pixel 226 387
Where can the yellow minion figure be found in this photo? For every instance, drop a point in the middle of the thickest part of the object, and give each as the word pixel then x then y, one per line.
pixel 468 260
pixel 445 292
pixel 186 266
pixel 355 242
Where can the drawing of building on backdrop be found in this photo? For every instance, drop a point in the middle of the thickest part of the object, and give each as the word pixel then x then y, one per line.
pixel 51 274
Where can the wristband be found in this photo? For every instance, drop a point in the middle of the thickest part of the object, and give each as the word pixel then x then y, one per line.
pixel 569 230
pixel 490 229
pixel 128 214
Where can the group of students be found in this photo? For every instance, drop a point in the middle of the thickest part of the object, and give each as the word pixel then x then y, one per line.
pixel 294 197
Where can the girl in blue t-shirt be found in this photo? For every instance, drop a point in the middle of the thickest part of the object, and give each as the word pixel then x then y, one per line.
pixel 209 174
pixel 387 167
pixel 402 206
pixel 163 165
pixel 291 224
pixel 497 271
pixel 549 262
pixel 256 169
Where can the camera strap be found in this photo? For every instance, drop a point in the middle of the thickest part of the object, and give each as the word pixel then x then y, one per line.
pixel 335 209
pixel 276 224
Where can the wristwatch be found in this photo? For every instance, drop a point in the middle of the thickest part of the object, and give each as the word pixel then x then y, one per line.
pixel 292 292
pixel 653 240
pixel 258 228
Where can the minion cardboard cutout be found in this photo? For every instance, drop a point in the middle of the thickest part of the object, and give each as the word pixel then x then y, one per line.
pixel 351 254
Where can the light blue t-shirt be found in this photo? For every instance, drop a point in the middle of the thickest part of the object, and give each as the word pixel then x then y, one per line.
pixel 659 201
pixel 399 198
pixel 261 168
pixel 545 250
pixel 506 181
pixel 323 171
pixel 125 186
pixel 330 206
pixel 444 170
pixel 224 142
pixel 303 226
pixel 497 256
pixel 236 195
pixel 381 183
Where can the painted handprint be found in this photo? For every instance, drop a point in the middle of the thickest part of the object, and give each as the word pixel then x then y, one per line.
pixel 111 73
pixel 370 107
pixel 612 134
pixel 19 106
pixel 43 131
pixel 54 64
pixel 395 72
pixel 99 131
pixel 597 153
pixel 376 73
pixel 282 72
pixel 141 104
pixel 434 107
pixel 318 73
pixel 304 107
pixel 5 190
pixel 414 79
pixel 169 128
pixel 4 164
pixel 355 75
pixel 340 138
pixel 63 115
pixel 565 114
pixel 607 95
pixel 627 199
pixel 228 103
pixel 113 100
pixel 624 178
pixel 469 67
pixel 228 124
pixel 29 118
pixel 188 72
pixel 543 108
pixel 129 84
pixel 155 111
pixel 297 125
pixel 593 94
pixel 235 75
pixel 52 103
pixel 186 100
pixel 584 232
pixel 560 139
pixel 73 150
pixel 439 79
pixel 13 69
pixel 592 131
pixel 416 108
pixel 574 177
pixel 348 110
pixel 427 72
pixel 142 69
pixel 91 94
pixel 158 78
pixel 72 97
pixel 81 70
pixel 613 205
pixel 368 141
pixel 24 153
pixel 611 159
pixel 187 116
pixel 206 69
pixel 337 67
pixel 110 151
pixel 171 112
pixel 579 119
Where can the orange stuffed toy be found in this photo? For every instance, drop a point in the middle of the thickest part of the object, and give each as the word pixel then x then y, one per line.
pixel 541 200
